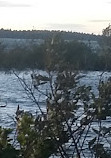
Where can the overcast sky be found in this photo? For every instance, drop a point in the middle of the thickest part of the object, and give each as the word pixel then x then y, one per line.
pixel 88 16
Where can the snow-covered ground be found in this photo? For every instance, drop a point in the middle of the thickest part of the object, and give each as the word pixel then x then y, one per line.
pixel 12 93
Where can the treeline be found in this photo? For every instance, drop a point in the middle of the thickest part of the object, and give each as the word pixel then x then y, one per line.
pixel 55 51
pixel 45 34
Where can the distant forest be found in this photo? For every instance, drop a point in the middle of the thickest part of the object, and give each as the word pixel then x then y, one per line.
pixel 45 34
pixel 59 48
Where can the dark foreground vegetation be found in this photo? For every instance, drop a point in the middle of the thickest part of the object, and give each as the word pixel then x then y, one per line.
pixel 67 127
pixel 73 124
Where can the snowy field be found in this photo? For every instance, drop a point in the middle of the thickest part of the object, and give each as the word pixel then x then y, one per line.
pixel 12 93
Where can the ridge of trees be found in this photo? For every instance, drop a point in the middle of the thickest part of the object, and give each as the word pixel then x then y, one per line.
pixel 44 34
pixel 75 53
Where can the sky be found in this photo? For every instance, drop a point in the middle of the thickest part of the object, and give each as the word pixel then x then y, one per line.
pixel 87 16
